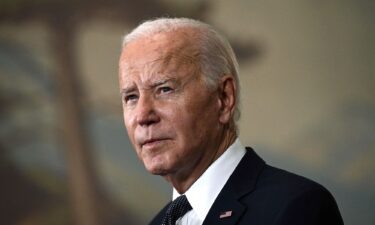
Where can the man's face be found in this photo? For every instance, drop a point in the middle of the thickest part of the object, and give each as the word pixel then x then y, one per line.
pixel 171 116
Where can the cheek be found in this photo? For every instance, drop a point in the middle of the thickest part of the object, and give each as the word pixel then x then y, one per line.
pixel 205 121
pixel 129 127
pixel 128 118
pixel 189 124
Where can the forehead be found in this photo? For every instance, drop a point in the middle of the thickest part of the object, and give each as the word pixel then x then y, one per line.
pixel 160 53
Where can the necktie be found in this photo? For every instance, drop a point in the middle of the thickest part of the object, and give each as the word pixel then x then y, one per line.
pixel 176 209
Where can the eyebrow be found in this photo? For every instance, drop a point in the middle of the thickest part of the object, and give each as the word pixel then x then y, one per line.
pixel 163 81
pixel 153 84
pixel 127 90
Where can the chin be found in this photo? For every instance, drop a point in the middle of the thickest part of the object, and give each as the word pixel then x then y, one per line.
pixel 157 171
pixel 158 164
pixel 155 168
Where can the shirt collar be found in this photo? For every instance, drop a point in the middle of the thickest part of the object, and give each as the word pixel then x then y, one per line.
pixel 202 194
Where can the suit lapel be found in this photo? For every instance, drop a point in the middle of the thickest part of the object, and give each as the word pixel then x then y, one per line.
pixel 227 208
pixel 224 205
pixel 159 217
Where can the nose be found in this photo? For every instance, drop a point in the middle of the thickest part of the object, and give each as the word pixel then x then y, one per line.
pixel 146 111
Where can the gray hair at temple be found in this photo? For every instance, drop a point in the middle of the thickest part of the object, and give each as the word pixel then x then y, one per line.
pixel 217 57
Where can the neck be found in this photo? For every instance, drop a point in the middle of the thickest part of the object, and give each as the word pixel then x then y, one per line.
pixel 183 182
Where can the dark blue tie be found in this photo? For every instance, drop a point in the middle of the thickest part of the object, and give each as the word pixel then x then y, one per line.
pixel 176 209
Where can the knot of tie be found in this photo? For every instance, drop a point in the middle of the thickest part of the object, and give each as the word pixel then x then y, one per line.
pixel 176 209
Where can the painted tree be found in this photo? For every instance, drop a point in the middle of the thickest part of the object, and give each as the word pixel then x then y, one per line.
pixel 62 19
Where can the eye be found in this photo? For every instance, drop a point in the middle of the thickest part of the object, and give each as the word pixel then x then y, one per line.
pixel 130 98
pixel 165 90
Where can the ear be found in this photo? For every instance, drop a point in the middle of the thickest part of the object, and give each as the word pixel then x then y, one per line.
pixel 227 98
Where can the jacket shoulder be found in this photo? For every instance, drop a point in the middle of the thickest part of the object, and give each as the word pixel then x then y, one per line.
pixel 282 197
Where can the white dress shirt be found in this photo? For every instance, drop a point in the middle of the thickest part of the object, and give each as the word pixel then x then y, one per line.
pixel 202 194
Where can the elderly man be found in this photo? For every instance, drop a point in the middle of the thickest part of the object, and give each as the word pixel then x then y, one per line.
pixel 179 86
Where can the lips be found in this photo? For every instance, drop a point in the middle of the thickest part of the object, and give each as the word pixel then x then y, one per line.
pixel 152 142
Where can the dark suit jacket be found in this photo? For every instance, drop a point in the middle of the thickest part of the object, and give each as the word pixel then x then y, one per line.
pixel 259 194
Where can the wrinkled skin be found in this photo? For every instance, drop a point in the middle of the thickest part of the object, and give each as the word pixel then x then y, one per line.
pixel 177 125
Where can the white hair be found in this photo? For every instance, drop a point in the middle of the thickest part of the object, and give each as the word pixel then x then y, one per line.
pixel 217 57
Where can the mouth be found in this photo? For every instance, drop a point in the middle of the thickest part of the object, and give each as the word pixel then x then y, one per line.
pixel 152 143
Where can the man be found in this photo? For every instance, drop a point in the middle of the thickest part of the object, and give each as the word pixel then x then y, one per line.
pixel 179 86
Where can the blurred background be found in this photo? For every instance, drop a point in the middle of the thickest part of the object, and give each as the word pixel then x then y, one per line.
pixel 308 85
